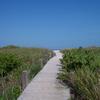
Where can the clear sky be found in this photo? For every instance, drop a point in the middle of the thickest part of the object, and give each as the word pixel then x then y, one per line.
pixel 50 23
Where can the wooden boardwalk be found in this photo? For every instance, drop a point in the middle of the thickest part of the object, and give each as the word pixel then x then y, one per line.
pixel 45 86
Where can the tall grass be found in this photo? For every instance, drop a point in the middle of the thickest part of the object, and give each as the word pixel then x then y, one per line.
pixel 80 70
pixel 13 61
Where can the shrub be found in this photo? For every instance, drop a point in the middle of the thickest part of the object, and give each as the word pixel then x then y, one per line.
pixel 81 72
pixel 78 58
pixel 8 62
pixel 13 61
pixel 10 47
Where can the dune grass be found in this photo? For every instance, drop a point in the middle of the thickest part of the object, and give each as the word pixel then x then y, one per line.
pixel 13 61
pixel 80 70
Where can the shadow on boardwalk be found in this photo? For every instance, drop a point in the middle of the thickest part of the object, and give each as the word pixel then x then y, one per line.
pixel 45 86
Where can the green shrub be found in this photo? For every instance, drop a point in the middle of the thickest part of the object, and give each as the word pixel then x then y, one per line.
pixel 34 70
pixel 13 61
pixel 8 62
pixel 10 47
pixel 81 72
pixel 78 58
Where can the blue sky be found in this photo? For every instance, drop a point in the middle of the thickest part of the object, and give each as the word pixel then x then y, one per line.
pixel 50 23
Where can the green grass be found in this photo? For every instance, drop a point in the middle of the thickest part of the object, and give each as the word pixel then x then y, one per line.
pixel 80 70
pixel 13 61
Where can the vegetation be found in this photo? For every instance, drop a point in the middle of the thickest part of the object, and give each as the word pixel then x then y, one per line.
pixel 13 61
pixel 80 70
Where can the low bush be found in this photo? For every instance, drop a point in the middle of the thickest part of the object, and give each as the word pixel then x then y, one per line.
pixel 8 62
pixel 13 61
pixel 80 71
pixel 78 58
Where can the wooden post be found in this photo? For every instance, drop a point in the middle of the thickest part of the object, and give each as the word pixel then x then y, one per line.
pixel 41 62
pixel 24 79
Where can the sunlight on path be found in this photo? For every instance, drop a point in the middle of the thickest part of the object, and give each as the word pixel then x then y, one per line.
pixel 45 86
